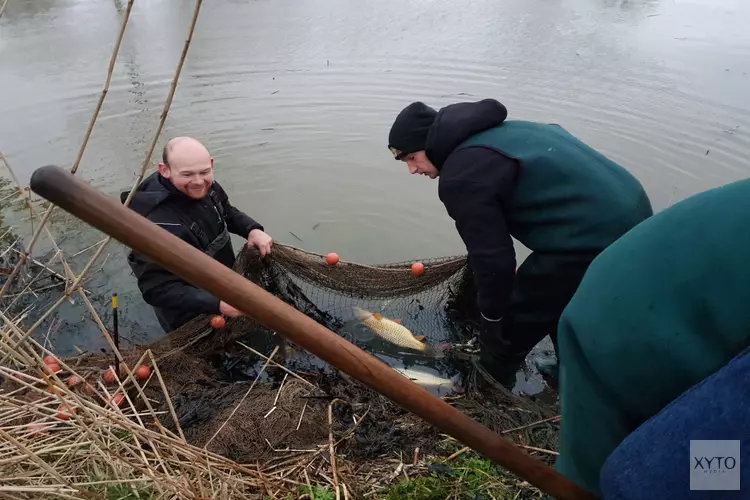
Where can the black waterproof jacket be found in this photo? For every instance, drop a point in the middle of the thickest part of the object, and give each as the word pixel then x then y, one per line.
pixel 199 223
pixel 474 184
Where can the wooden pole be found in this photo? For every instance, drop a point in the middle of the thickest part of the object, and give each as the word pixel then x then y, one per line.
pixel 116 332
pixel 63 189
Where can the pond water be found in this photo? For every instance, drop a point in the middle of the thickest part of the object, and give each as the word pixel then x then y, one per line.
pixel 295 100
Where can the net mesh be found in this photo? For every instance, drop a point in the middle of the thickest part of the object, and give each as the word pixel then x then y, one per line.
pixel 436 304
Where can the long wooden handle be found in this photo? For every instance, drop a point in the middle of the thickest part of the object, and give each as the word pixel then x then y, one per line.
pixel 63 189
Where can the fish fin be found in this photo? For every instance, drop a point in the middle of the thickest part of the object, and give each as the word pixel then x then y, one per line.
pixel 420 338
pixel 377 316
pixel 397 321
pixel 436 351
pixel 361 314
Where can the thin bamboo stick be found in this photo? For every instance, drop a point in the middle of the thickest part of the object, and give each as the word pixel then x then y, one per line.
pixel 332 449
pixel 27 196
pixel 44 465
pixel 274 363
pixel 86 138
pixel 105 90
pixel 157 134
pixel 28 332
pixel 167 398
pixel 45 267
pixel 25 255
pixel 275 349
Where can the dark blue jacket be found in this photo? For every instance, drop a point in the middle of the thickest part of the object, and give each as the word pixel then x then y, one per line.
pixel 655 461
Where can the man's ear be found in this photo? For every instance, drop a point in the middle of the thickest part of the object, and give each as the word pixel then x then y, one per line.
pixel 212 162
pixel 164 170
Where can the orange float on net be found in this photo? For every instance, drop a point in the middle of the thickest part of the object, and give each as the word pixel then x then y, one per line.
pixel 218 322
pixel 109 375
pixel 50 360
pixel 74 380
pixel 332 258
pixel 37 430
pixel 117 399
pixel 64 412
pixel 143 372
pixel 52 368
pixel 417 269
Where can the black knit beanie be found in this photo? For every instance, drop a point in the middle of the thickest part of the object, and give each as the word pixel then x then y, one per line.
pixel 409 130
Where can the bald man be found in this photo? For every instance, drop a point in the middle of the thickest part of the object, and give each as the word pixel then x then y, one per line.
pixel 183 198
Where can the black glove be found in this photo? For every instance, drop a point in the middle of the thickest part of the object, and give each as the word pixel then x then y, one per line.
pixel 495 356
pixel 491 336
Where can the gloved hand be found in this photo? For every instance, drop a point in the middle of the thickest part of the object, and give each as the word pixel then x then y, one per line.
pixel 495 355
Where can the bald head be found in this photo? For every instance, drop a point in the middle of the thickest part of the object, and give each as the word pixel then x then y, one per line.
pixel 188 164
pixel 180 148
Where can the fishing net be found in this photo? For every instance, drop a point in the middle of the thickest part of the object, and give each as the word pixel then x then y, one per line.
pixel 229 397
pixel 436 303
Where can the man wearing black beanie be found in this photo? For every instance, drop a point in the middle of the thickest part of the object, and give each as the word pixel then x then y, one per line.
pixel 536 182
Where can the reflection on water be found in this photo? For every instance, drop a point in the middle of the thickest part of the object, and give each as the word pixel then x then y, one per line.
pixel 294 100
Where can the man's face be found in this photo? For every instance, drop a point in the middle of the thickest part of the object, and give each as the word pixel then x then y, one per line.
pixel 418 163
pixel 191 175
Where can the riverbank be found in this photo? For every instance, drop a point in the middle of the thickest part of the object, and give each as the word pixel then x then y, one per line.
pixel 285 438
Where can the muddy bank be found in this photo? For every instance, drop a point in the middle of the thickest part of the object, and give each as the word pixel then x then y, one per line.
pixel 277 410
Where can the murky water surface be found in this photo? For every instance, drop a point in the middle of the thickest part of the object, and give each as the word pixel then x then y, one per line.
pixel 295 99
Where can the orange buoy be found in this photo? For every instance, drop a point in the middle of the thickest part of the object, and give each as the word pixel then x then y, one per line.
pixel 218 321
pixel 74 380
pixel 37 429
pixel 88 389
pixel 64 412
pixel 109 375
pixel 50 360
pixel 52 368
pixel 332 258
pixel 117 399
pixel 417 269
pixel 143 372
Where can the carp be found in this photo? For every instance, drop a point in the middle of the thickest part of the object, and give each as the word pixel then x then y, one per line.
pixel 395 333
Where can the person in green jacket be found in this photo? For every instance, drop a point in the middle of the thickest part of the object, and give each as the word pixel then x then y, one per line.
pixel 536 182
pixel 658 311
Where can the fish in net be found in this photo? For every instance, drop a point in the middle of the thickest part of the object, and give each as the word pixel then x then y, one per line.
pixel 247 419
pixel 438 304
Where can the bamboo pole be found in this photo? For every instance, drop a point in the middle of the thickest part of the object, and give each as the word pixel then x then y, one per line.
pixel 87 136
pixel 25 255
pixel 71 194
pixel 157 134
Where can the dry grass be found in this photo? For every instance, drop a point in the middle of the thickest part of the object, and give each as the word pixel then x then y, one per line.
pixel 58 439
pixel 75 443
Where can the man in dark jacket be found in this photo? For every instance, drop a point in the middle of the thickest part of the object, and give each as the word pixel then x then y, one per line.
pixel 183 198
pixel 535 182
